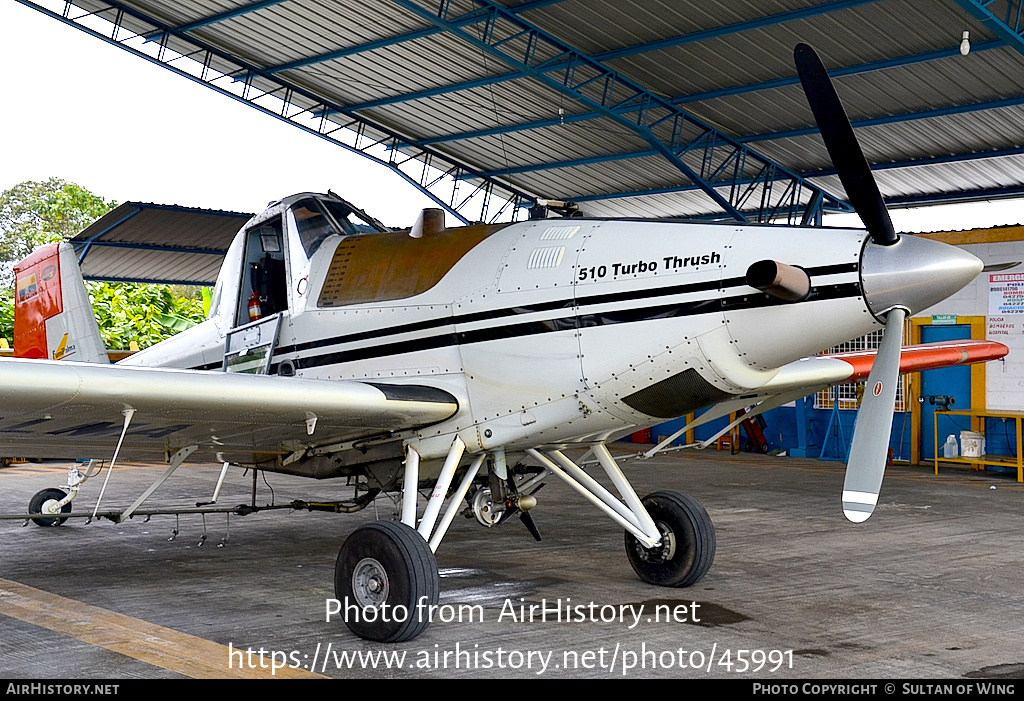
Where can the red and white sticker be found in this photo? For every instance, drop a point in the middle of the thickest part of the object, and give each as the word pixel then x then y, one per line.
pixel 878 389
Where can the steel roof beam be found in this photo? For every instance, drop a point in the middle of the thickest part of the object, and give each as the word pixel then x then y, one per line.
pixel 770 136
pixel 466 19
pixel 909 163
pixel 891 119
pixel 722 92
pixel 723 161
pixel 418 169
pixel 988 193
pixel 1009 25
pixel 929 160
pixel 909 59
pixel 736 28
pixel 228 14
pixel 474 18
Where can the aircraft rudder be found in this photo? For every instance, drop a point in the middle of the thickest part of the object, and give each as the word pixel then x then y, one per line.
pixel 53 316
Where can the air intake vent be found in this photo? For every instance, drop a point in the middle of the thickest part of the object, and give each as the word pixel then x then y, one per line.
pixel 559 233
pixel 548 257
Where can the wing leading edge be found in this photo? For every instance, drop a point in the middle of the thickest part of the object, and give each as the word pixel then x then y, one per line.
pixel 807 375
pixel 73 410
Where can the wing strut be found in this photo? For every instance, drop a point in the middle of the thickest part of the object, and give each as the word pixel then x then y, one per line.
pixel 128 414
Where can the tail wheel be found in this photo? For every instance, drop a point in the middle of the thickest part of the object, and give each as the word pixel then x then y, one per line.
pixel 387 581
pixel 45 502
pixel 687 546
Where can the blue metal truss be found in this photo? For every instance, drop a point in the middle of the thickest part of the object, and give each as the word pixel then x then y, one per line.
pixel 439 176
pixel 464 20
pixel 723 92
pixel 228 14
pixel 1004 18
pixel 768 136
pixel 745 184
pixel 905 201
pixel 473 18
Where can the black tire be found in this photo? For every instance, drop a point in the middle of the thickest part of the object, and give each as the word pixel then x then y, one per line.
pixel 688 542
pixel 384 569
pixel 35 506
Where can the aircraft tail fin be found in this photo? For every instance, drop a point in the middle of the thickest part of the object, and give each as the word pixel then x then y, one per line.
pixel 53 316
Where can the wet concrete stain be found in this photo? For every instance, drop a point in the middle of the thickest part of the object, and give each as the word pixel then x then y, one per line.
pixel 708 615
pixel 999 671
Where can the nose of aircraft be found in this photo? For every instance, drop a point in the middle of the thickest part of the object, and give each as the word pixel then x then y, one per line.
pixel 914 273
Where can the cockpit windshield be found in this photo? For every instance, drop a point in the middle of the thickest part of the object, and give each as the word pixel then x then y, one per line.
pixel 316 219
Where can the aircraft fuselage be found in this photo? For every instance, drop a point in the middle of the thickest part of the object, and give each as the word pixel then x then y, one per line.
pixel 548 332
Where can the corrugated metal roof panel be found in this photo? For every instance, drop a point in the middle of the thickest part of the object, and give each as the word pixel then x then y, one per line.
pixel 857 33
pixel 159 243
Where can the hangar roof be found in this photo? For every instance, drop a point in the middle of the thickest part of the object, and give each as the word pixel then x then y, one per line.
pixel 648 108
pixel 165 243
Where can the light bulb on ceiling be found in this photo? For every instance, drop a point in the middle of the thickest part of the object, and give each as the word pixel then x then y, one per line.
pixel 965 45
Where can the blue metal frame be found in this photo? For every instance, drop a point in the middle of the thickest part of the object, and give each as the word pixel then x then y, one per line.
pixel 1008 26
pixel 228 14
pixel 724 163
pixel 910 59
pixel 930 160
pixel 904 201
pixel 466 19
pixel 84 248
pixel 474 18
pixel 768 136
pixel 435 174
pixel 892 119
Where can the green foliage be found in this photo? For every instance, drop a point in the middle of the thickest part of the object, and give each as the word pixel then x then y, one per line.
pixel 146 314
pixel 34 213
pixel 7 313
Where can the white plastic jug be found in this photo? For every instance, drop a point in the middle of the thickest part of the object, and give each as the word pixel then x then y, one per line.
pixel 950 448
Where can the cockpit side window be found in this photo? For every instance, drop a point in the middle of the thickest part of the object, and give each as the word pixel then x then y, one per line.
pixel 313 225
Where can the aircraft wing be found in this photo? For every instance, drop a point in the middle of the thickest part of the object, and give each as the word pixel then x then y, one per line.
pixel 834 368
pixel 800 378
pixel 76 410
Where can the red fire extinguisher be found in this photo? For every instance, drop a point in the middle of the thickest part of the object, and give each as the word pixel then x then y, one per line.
pixel 255 311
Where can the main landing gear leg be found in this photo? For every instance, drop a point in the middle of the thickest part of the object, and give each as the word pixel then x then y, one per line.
pixel 386 577
pixel 670 540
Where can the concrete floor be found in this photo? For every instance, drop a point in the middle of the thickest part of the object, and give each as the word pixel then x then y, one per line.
pixel 930 587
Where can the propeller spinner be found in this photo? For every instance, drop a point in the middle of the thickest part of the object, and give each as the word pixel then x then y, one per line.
pixel 899 276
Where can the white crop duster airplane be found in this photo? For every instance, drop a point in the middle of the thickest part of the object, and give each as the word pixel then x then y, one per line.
pixel 476 356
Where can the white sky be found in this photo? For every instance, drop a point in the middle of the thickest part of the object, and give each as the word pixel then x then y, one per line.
pixel 82 110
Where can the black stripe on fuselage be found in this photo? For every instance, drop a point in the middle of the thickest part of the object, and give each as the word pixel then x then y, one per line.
pixel 622 316
pixel 630 295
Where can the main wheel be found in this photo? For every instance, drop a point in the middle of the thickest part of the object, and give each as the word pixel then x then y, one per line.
pixel 45 502
pixel 687 546
pixel 387 582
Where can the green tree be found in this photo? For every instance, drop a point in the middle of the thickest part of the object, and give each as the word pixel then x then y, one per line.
pixel 35 213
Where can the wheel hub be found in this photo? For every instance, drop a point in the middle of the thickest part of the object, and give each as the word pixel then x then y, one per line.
pixel 666 550
pixel 50 507
pixel 370 584
pixel 483 508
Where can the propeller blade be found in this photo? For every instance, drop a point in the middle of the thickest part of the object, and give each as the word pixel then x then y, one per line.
pixel 842 145
pixel 996 267
pixel 870 447
pixel 527 520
